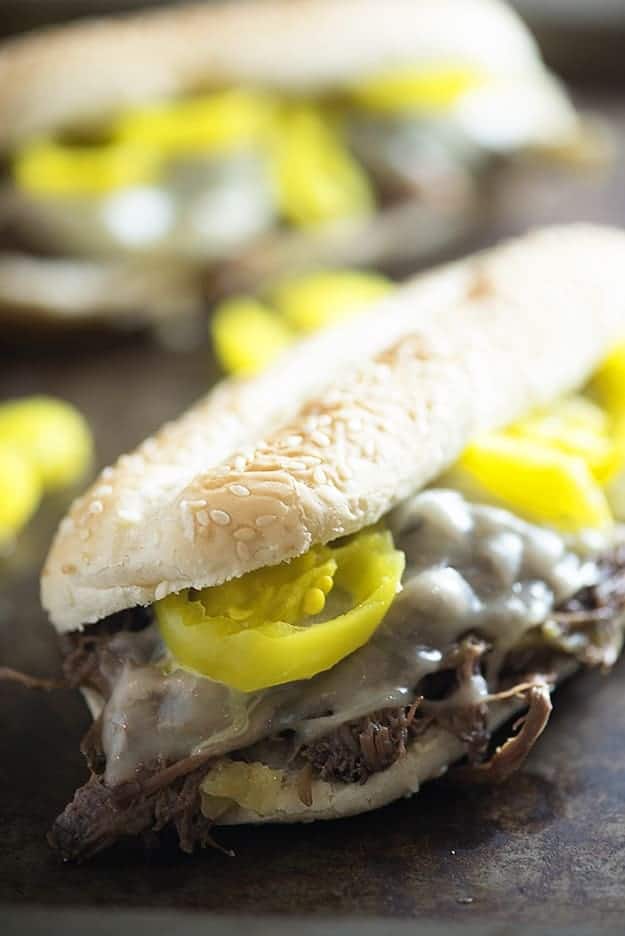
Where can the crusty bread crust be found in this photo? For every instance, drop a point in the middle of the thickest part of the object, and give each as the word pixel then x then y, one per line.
pixel 91 69
pixel 344 426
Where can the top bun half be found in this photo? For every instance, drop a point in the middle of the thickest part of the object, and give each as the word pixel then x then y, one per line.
pixel 86 71
pixel 343 427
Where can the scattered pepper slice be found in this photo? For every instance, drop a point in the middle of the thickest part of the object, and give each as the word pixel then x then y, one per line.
pixel 574 426
pixel 260 630
pixel 247 335
pixel 51 434
pixel 20 492
pixel 537 481
pixel 315 300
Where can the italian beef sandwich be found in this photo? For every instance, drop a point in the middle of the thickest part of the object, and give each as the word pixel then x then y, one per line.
pixel 158 159
pixel 324 585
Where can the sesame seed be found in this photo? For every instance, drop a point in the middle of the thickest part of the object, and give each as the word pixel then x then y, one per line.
pixel 161 590
pixel 265 520
pixel 239 462
pixel 319 476
pixel 67 525
pixel 239 490
pixel 202 517
pixel 295 465
pixel 293 440
pixel 244 533
pixel 243 551
pixel 103 490
pixel 319 438
pixel 264 554
pixel 343 472
pixel 96 507
pixel 107 473
pixel 325 419
pixel 220 517
pixel 128 516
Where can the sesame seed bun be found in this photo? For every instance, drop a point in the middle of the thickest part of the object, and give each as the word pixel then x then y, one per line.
pixel 91 69
pixel 83 73
pixel 343 427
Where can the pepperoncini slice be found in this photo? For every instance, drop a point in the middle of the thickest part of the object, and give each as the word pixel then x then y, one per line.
pixel 20 491
pixel 434 87
pixel 45 167
pixel 215 123
pixel 317 179
pixel 260 630
pixel 537 481
pixel 608 388
pixel 315 300
pixel 575 426
pixel 608 383
pixel 247 335
pixel 51 435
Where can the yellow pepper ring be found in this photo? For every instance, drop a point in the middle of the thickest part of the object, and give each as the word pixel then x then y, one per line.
pixel 250 651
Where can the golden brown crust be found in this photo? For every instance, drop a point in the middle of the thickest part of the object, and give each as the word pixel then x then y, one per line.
pixel 345 426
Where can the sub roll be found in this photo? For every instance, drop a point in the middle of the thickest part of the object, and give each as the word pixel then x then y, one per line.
pixel 325 585
pixel 158 159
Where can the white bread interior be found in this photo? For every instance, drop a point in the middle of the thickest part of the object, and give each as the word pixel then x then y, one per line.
pixel 345 426
pixel 91 69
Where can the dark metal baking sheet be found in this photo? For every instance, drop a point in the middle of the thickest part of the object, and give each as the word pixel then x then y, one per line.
pixel 546 848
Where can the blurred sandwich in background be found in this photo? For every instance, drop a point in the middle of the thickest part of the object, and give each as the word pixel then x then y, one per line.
pixel 155 160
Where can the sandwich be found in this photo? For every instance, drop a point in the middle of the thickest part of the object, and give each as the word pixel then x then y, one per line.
pixel 158 159
pixel 326 584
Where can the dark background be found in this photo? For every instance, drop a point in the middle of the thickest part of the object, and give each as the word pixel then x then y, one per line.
pixel 546 848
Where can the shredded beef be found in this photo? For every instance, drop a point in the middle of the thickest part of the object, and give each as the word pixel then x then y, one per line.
pixel 589 628
pixel 100 815
pixel 510 756
pixel 357 749
pixel 87 653
pixel 360 748
pixel 589 624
